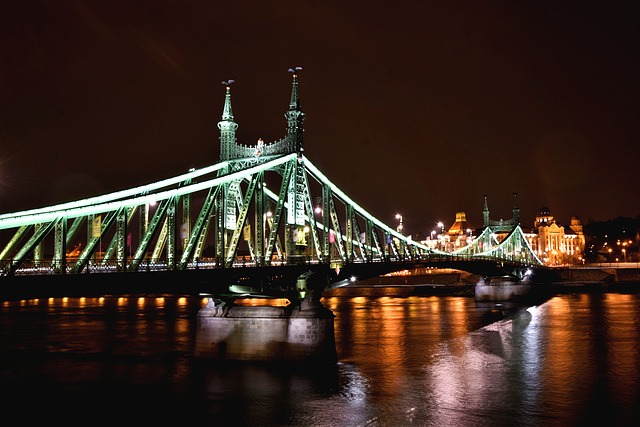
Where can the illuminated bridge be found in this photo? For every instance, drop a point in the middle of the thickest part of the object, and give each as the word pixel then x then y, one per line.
pixel 264 220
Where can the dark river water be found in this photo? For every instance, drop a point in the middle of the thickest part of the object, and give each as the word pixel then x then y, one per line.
pixel 433 361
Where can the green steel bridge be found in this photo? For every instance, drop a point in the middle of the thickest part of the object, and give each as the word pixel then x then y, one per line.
pixel 263 211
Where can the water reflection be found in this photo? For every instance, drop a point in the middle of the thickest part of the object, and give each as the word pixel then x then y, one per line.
pixel 403 361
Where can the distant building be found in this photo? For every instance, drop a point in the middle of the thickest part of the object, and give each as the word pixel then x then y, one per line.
pixel 459 235
pixel 552 243
pixel 555 244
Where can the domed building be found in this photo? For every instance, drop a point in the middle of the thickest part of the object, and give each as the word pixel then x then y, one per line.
pixel 555 244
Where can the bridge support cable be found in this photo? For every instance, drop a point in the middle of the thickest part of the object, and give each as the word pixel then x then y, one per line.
pixel 321 178
pixel 514 248
pixel 483 243
pixel 28 215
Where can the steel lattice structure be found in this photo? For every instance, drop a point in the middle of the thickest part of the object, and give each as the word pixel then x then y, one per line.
pixel 260 205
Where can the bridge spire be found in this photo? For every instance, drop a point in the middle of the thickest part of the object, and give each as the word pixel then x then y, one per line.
pixel 516 210
pixel 227 126
pixel 485 211
pixel 295 116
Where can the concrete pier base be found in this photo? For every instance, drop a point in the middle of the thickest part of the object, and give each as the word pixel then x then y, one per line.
pixel 502 289
pixel 271 334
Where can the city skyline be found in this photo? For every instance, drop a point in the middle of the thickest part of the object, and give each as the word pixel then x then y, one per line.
pixel 421 111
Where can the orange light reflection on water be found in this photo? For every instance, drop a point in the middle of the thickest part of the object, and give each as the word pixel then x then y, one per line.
pixel 262 302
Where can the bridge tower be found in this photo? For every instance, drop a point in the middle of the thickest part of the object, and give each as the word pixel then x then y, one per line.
pixel 227 128
pixel 297 188
pixel 501 226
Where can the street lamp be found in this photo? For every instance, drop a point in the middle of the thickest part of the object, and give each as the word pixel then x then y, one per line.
pixel 400 226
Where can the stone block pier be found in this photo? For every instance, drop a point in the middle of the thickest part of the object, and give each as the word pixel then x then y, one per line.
pixel 302 333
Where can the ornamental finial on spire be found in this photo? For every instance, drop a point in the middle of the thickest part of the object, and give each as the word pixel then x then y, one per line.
pixel 295 99
pixel 227 127
pixel 227 113
pixel 295 117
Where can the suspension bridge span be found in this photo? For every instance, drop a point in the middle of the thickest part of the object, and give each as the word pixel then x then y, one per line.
pixel 264 220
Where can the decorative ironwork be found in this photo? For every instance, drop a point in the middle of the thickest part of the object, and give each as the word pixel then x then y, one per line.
pixel 232 196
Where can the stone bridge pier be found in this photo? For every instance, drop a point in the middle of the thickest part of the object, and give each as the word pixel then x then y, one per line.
pixel 514 287
pixel 303 333
pixel 502 289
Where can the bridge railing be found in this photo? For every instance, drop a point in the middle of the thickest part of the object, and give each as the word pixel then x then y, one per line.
pixel 114 265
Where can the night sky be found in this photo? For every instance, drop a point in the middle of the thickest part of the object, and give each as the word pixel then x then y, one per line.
pixel 412 107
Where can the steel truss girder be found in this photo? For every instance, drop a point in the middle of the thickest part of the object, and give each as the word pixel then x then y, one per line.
pixel 60 246
pixel 15 240
pixel 336 229
pixel 113 247
pixel 313 225
pixel 240 203
pixel 294 200
pixel 31 243
pixel 165 231
pixel 277 215
pixel 143 246
pixel 259 220
pixel 233 246
pixel 92 243
pixel 351 224
pixel 356 228
pixel 376 239
pixel 196 240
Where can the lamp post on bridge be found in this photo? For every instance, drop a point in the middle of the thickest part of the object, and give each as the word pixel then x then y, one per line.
pixel 441 238
pixel 400 227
